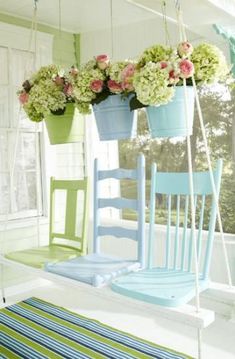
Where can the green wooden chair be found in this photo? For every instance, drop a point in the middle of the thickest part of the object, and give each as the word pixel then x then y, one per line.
pixel 67 243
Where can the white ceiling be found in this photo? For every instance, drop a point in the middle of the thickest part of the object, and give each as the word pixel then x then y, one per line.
pixel 89 15
pixel 79 16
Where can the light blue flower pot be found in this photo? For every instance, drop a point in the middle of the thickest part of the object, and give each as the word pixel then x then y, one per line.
pixel 170 120
pixel 114 119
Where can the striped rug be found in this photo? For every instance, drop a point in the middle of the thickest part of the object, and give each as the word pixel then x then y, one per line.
pixel 34 329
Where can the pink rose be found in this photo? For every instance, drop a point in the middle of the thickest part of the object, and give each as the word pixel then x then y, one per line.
pixel 68 90
pixel 102 61
pixel 97 86
pixel 128 71
pixel 163 64
pixel 185 49
pixel 186 69
pixel 114 86
pixel 173 77
pixel 23 98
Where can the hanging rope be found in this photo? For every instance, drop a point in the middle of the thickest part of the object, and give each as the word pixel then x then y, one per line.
pixel 165 25
pixel 60 30
pixel 111 27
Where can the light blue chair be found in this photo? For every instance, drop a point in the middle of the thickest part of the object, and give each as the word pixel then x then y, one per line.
pixel 171 281
pixel 99 269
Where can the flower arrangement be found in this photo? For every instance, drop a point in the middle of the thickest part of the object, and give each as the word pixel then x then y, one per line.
pixel 99 79
pixel 48 90
pixel 161 68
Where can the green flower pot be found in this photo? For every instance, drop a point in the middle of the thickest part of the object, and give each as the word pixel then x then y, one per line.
pixel 65 128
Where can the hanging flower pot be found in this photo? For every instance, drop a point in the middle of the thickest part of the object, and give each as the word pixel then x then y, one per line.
pixel 170 120
pixel 114 119
pixel 66 127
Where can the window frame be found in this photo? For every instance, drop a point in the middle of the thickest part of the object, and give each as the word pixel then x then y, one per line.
pixel 17 38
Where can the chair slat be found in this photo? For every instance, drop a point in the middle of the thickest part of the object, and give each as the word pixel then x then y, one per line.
pixel 118 173
pixel 168 235
pixel 119 203
pixel 183 248
pixel 176 249
pixel 118 232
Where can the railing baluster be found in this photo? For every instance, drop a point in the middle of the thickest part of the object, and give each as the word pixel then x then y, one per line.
pixel 184 232
pixel 168 235
pixel 199 236
pixel 190 250
pixel 176 249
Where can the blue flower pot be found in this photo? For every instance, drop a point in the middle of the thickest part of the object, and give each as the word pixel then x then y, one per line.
pixel 114 119
pixel 170 120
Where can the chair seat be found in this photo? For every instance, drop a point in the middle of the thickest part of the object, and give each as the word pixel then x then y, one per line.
pixel 93 269
pixel 38 257
pixel 159 286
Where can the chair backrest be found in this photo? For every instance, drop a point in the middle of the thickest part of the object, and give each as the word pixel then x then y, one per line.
pixel 74 232
pixel 121 203
pixel 172 189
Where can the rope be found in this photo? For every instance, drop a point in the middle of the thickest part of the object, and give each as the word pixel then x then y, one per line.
pixel 191 189
pixel 199 339
pixel 165 25
pixel 60 32
pixel 111 27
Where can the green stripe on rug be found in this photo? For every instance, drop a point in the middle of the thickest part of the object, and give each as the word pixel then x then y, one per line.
pixel 7 353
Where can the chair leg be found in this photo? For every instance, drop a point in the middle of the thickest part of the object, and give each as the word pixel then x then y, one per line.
pixel 2 284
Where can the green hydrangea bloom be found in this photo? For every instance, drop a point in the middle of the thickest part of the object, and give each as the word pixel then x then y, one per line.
pixel 44 97
pixel 82 90
pixel 209 63
pixel 151 85
pixel 114 71
pixel 156 53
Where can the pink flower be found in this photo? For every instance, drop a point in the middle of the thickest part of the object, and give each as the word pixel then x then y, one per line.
pixel 102 61
pixel 128 86
pixel 185 49
pixel 23 98
pixel 68 90
pixel 73 71
pixel 173 77
pixel 59 80
pixel 128 71
pixel 114 86
pixel 186 69
pixel 97 86
pixel 163 64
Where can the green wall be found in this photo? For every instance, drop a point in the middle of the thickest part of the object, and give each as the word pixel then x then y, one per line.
pixel 66 47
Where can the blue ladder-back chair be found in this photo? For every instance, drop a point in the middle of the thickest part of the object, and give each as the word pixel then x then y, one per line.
pixel 99 269
pixel 68 242
pixel 169 279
